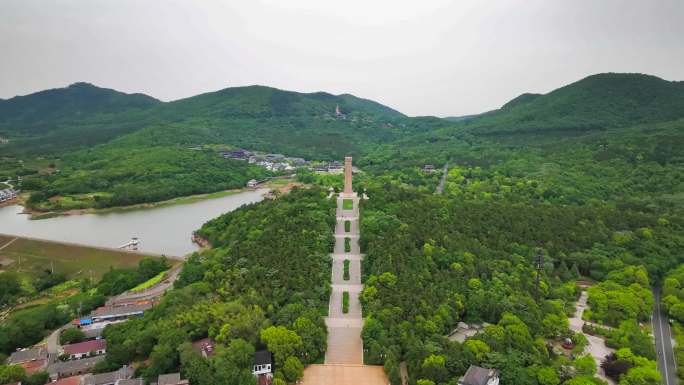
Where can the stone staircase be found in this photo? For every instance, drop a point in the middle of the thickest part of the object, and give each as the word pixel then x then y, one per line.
pixel 344 329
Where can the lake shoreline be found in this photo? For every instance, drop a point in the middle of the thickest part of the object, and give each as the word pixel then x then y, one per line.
pixel 159 228
pixel 271 185
pixel 38 215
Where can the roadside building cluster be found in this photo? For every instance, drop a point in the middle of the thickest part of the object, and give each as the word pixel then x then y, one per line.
pixel 7 194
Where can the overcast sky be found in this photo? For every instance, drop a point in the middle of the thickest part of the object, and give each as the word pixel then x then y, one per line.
pixel 428 57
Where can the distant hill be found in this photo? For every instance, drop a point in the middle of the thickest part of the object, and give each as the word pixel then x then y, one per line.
pixel 255 117
pixel 520 100
pixel 596 102
pixel 269 119
pixel 63 118
pixel 461 118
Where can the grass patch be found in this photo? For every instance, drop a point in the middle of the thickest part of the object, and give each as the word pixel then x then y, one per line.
pixel 152 281
pixel 345 302
pixel 347 245
pixel 345 276
pixel 347 226
pixel 72 260
pixel 348 204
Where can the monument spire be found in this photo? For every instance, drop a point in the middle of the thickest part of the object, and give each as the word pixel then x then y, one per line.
pixel 348 192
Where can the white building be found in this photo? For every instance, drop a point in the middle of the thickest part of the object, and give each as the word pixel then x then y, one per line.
pixel 263 364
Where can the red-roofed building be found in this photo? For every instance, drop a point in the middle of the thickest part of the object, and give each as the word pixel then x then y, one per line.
pixel 34 366
pixel 75 380
pixel 83 349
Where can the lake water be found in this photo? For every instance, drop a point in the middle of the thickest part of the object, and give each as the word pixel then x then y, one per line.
pixel 162 230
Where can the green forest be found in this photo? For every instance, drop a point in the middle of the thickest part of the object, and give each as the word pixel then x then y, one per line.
pixel 264 285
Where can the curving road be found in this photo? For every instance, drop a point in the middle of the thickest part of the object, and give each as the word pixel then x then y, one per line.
pixel 663 342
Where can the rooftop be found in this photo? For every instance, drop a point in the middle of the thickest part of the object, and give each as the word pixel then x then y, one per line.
pixel 170 379
pixel 262 357
pixel 478 376
pixel 132 381
pixel 107 311
pixel 75 380
pixel 27 355
pixel 85 347
pixel 124 373
pixel 74 365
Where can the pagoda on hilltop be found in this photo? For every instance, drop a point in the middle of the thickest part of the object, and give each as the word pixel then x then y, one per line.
pixel 338 112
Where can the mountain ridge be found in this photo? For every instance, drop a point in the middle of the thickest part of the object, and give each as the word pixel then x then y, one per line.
pixel 595 102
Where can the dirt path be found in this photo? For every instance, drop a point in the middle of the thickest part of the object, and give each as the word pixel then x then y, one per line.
pixel 8 243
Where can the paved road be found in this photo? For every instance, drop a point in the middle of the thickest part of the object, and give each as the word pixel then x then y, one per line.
pixel 152 292
pixel 440 187
pixel 663 342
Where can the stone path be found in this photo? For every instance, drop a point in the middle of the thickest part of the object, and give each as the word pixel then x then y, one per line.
pixel 344 329
pixel 344 375
pixel 442 181
pixel 597 346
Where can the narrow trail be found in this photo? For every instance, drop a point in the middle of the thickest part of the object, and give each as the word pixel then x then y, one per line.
pixel 442 182
pixel 8 243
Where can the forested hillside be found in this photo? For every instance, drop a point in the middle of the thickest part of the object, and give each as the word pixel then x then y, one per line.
pixel 593 103
pixel 610 139
pixel 432 261
pixel 56 120
pixel 265 284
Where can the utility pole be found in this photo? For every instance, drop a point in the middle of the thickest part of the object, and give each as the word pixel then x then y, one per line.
pixel 539 265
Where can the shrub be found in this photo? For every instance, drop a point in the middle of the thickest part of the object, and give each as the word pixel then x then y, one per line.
pixel 71 335
pixel 345 302
pixel 346 270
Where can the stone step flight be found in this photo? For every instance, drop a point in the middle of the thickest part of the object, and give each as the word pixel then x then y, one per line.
pixel 345 321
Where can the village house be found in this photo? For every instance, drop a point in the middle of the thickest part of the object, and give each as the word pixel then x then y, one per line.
pixel 476 375
pixel 32 360
pixel 464 331
pixel 253 183
pixel 428 168
pixel 263 367
pixel 170 379
pixel 273 157
pixel 84 349
pixel 74 380
pixel 132 381
pixel 112 313
pixel 238 154
pixel 335 167
pixel 110 378
pixel 62 369
pixel 297 161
